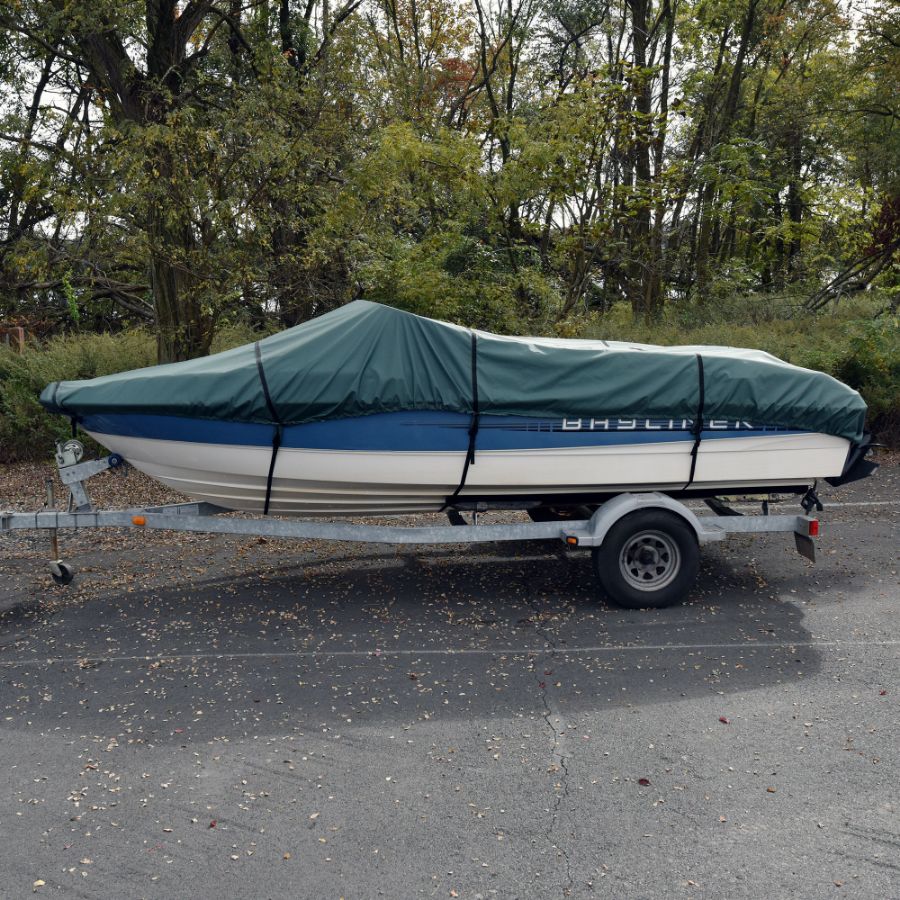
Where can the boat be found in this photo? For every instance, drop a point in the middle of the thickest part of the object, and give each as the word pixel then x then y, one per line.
pixel 368 410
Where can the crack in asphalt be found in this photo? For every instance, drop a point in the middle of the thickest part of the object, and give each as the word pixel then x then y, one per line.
pixel 559 795
pixel 560 760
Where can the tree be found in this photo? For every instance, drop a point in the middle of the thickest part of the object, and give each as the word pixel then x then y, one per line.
pixel 162 76
pixel 182 163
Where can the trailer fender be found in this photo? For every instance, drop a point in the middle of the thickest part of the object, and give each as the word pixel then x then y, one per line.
pixel 611 512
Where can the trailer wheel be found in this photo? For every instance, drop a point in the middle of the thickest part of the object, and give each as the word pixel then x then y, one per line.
pixel 648 559
pixel 61 573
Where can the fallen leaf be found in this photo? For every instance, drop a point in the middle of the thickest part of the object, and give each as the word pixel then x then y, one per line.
pixel 39 883
pixel 724 721
pixel 213 823
pixel 644 782
pixel 286 856
pixel 770 790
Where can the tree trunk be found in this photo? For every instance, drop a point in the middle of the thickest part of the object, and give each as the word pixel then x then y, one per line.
pixel 183 331
pixel 704 239
pixel 707 235
pixel 794 207
pixel 644 282
pixel 778 215
pixel 654 292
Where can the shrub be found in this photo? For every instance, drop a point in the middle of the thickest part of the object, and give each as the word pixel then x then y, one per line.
pixel 26 430
pixel 871 363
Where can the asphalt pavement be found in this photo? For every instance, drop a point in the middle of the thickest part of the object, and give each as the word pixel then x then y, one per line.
pixel 227 717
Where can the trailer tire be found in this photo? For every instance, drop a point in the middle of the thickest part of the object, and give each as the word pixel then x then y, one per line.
pixel 648 560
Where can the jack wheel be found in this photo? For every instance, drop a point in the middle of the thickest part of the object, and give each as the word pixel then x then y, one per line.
pixel 61 573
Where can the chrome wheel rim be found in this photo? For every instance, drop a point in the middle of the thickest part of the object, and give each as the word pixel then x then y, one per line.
pixel 649 561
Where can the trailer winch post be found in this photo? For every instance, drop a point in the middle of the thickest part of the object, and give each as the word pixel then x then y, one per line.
pixel 53 532
pixel 60 572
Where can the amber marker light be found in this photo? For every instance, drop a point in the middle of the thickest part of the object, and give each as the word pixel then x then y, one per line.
pixel 138 520
pixel 572 541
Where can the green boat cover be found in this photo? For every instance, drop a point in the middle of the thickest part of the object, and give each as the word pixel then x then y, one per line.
pixel 368 358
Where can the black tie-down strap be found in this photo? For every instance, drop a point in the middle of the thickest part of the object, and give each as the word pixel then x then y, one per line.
pixel 279 425
pixel 473 425
pixel 698 421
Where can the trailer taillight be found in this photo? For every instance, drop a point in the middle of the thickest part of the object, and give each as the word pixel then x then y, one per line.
pixel 813 528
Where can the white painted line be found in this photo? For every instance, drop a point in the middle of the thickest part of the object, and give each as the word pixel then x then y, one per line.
pixel 444 651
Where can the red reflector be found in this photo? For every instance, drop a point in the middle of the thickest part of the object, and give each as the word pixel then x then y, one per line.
pixel 813 527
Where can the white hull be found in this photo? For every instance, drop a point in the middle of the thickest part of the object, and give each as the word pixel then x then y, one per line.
pixel 360 483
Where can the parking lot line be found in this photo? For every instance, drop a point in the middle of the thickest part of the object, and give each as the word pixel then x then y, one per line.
pixel 445 651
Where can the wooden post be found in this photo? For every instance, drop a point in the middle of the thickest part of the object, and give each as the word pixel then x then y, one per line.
pixel 14 333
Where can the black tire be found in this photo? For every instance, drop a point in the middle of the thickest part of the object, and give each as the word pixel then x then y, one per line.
pixel 648 560
pixel 61 573
pixel 559 513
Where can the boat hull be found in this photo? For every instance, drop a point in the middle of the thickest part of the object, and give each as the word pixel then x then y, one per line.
pixel 397 463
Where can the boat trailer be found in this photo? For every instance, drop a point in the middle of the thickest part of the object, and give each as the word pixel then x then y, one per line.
pixel 644 545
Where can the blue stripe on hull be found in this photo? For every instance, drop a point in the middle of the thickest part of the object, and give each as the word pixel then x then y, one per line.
pixel 421 431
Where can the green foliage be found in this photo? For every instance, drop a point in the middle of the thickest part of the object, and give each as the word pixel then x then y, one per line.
pixel 71 298
pixel 870 362
pixel 519 166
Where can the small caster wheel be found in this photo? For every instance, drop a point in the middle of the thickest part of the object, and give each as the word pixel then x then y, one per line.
pixel 61 572
pixel 115 460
